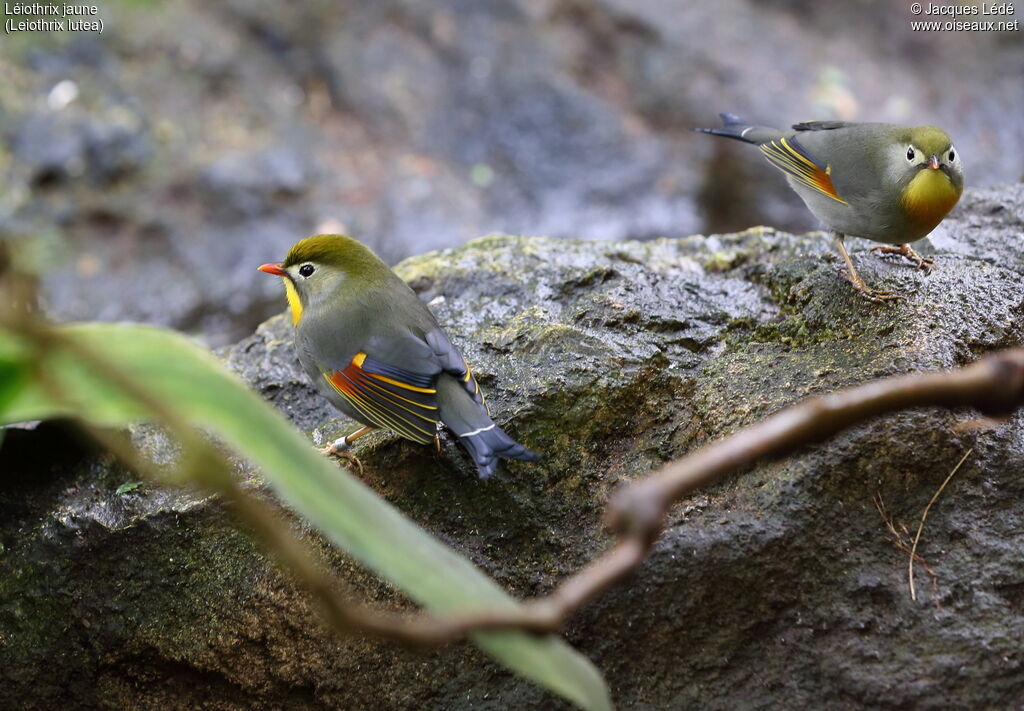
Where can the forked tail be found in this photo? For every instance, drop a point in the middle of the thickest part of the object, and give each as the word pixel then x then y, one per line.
pixel 490 444
pixel 482 438
pixel 735 127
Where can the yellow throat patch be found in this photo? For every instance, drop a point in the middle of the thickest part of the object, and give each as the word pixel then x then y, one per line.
pixel 929 197
pixel 293 300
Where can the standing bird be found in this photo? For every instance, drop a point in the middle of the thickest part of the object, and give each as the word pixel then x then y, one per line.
pixel 879 181
pixel 377 353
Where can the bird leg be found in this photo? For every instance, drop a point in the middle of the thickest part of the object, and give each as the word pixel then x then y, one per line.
pixel 905 250
pixel 341 447
pixel 853 277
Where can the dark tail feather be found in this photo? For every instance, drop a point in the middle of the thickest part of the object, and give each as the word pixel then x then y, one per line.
pixel 485 441
pixel 735 127
pixel 489 445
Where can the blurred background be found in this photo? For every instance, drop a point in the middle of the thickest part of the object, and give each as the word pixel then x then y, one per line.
pixel 158 163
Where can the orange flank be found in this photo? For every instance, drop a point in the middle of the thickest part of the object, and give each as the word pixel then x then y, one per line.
pixel 382 406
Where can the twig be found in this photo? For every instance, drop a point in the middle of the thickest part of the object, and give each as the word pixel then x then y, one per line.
pixel 901 543
pixel 994 385
pixel 920 527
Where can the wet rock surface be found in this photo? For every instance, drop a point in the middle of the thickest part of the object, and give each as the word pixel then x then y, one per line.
pixel 779 588
pixel 189 142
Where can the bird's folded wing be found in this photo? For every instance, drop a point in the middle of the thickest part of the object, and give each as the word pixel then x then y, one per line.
pixel 452 362
pixel 821 125
pixel 389 397
pixel 790 157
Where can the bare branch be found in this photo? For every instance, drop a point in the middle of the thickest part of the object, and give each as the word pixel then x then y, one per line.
pixel 994 385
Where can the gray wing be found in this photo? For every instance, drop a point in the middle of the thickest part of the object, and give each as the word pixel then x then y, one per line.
pixel 387 372
pixel 848 154
pixel 821 125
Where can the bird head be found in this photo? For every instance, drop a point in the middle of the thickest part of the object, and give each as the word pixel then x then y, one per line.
pixel 928 171
pixel 317 267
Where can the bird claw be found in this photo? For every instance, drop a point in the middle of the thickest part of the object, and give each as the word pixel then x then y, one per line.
pixel 342 452
pixel 925 264
pixel 877 296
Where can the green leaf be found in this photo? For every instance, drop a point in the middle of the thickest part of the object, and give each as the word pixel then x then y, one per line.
pixel 342 507
pixel 127 487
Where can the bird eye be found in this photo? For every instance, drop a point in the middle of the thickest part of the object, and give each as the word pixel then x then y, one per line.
pixel 910 153
pixel 952 155
pixel 307 270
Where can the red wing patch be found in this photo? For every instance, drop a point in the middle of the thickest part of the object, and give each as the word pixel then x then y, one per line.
pixel 398 400
pixel 791 158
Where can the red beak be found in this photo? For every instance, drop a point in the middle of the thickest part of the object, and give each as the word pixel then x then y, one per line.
pixel 933 163
pixel 274 269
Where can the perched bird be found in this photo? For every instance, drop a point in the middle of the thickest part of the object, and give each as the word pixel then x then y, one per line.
pixel 378 354
pixel 879 181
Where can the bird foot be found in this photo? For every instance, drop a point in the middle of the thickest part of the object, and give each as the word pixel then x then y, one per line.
pixel 340 449
pixel 877 296
pixel 926 264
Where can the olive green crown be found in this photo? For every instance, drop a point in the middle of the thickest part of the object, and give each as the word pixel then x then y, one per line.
pixel 933 141
pixel 337 251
